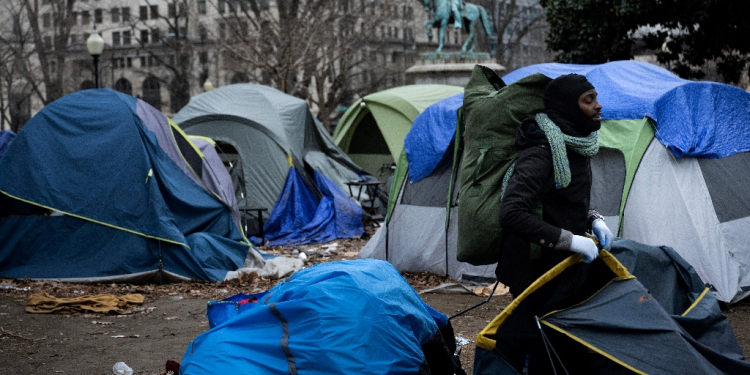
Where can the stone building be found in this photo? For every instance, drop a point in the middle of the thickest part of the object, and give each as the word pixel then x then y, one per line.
pixel 148 41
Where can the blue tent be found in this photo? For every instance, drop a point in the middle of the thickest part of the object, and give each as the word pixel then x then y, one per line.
pixel 300 217
pixel 110 202
pixel 633 90
pixel 348 317
pixel 6 136
pixel 430 135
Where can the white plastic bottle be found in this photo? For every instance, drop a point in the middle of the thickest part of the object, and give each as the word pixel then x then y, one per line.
pixel 120 368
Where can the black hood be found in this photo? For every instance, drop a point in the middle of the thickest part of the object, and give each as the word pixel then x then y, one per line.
pixel 561 101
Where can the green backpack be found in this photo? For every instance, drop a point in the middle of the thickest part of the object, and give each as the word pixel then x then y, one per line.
pixel 491 113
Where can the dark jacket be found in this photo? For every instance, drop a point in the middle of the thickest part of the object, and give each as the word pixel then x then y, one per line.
pixel 567 208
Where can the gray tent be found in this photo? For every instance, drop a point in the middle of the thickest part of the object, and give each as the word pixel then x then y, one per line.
pixel 262 132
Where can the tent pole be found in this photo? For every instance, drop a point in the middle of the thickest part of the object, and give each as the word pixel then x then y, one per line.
pixel 478 304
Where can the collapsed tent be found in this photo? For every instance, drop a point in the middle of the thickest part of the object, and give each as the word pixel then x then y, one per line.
pixel 99 187
pixel 639 310
pixel 690 195
pixel 349 317
pixel 372 130
pixel 269 138
pixel 420 231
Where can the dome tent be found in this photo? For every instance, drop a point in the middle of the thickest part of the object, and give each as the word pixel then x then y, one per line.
pixel 372 130
pixel 96 187
pixel 273 142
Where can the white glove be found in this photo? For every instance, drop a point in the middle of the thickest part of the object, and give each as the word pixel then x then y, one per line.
pixel 602 233
pixel 584 246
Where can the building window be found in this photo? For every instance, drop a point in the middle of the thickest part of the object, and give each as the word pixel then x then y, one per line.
pixel 115 14
pixel 85 17
pixel 46 20
pixel 144 36
pixel 203 57
pixel 202 33
pixel 48 42
pixel 129 62
pixel 73 39
pixel 155 36
pixel 98 16
pixel 126 14
pixel 222 30
pixel 171 11
pixel 115 38
pixel 154 12
pixel 126 38
pixel 222 6
pixel 201 6
pixel 143 10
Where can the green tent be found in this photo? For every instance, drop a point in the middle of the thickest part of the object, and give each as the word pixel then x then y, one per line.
pixel 372 130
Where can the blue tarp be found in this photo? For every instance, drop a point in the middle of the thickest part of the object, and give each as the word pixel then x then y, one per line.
pixel 299 217
pixel 430 136
pixel 699 119
pixel 89 155
pixel 348 317
pixel 6 136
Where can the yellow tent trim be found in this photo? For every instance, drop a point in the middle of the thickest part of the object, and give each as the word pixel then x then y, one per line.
pixel 207 139
pixel 187 138
pixel 99 222
pixel 697 300
pixel 613 359
pixel 491 329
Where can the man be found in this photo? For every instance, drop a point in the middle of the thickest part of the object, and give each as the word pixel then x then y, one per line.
pixel 553 173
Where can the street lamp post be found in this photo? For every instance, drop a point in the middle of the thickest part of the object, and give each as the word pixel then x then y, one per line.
pixel 95 45
pixel 207 85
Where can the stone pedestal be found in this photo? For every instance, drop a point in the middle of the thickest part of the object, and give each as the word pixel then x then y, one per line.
pixel 450 68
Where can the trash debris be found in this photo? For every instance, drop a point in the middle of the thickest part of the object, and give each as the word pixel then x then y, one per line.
pixel 461 341
pixel 448 288
pixel 11 287
pixel 303 256
pixel 176 298
pixel 295 251
pixel 120 368
pixel 485 291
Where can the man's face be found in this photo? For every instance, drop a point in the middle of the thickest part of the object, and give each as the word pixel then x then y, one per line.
pixel 590 106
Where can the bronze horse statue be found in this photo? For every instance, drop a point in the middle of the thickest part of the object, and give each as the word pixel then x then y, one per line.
pixel 443 12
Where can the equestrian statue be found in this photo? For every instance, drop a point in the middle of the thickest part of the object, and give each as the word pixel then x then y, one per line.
pixel 463 15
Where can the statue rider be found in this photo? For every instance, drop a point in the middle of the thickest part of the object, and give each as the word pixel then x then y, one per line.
pixel 456 7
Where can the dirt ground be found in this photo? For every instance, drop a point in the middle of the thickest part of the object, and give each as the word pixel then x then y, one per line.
pixel 147 336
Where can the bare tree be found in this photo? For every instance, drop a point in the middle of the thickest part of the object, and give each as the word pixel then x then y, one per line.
pixel 50 28
pixel 168 46
pixel 521 29
pixel 323 51
pixel 36 54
